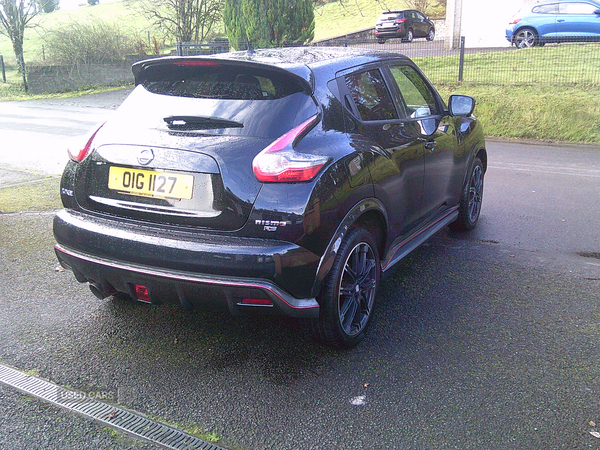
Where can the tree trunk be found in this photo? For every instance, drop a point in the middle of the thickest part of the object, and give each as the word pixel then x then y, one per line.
pixel 18 48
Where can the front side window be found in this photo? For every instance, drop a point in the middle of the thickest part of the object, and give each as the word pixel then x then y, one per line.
pixel 371 96
pixel 577 8
pixel 419 98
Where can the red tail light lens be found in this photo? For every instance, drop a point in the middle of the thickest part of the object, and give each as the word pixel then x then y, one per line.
pixel 400 20
pixel 512 22
pixel 279 162
pixel 79 147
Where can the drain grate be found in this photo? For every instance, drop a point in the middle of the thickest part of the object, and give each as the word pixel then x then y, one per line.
pixel 112 416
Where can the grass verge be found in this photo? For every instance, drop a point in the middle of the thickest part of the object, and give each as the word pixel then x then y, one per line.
pixel 39 195
pixel 544 113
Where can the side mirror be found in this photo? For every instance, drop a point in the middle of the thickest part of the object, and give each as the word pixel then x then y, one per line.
pixel 597 12
pixel 461 105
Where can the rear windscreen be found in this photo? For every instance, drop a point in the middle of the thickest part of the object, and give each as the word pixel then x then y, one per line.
pixel 218 81
pixel 391 16
pixel 216 98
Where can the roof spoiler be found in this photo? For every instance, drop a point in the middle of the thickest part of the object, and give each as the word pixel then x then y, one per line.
pixel 301 74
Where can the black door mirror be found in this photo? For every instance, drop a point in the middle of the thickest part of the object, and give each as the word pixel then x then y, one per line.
pixel 461 105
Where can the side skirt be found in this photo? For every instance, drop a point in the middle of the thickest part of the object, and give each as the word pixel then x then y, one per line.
pixel 402 249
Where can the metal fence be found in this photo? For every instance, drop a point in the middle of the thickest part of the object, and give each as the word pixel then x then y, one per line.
pixel 567 63
pixel 564 64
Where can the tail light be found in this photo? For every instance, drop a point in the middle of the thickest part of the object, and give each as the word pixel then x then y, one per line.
pixel 512 22
pixel 400 20
pixel 79 147
pixel 279 162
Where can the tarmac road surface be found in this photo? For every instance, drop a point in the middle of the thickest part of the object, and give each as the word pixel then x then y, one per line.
pixel 486 339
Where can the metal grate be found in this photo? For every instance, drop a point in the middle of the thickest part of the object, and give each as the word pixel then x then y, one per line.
pixel 112 416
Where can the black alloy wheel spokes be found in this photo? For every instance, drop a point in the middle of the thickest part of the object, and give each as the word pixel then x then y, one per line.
pixel 357 289
pixel 475 193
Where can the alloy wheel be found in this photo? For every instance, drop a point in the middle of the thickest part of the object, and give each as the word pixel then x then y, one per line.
pixel 357 289
pixel 475 193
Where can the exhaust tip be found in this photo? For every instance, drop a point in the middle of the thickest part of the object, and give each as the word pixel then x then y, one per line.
pixel 98 291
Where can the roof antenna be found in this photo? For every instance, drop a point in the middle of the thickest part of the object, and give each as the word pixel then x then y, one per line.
pixel 251 50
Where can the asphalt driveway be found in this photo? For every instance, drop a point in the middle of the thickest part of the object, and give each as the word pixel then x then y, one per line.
pixel 487 339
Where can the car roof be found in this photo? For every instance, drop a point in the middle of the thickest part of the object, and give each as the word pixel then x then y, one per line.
pixel 312 57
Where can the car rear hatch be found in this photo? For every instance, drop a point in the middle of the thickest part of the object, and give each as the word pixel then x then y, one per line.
pixel 390 19
pixel 180 148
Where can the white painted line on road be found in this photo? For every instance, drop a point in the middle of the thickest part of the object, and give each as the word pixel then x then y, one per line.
pixel 578 172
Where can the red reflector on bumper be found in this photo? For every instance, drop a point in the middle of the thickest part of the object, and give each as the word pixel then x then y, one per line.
pixel 257 301
pixel 141 293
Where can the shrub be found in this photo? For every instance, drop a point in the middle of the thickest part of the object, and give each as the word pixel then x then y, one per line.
pixel 91 42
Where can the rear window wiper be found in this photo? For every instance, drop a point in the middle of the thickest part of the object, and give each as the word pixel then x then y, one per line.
pixel 199 123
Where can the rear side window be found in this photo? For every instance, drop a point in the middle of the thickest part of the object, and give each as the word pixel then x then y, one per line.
pixel 546 9
pixel 371 95
pixel 217 81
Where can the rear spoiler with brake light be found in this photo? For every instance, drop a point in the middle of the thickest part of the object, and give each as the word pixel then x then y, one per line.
pixel 302 75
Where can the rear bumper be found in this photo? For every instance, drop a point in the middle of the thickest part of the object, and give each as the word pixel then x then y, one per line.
pixel 198 269
pixel 391 33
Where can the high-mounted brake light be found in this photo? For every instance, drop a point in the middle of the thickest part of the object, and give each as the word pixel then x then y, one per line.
pixel 279 162
pixel 79 147
pixel 196 63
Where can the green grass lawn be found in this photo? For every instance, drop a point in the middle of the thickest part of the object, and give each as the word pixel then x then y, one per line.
pixel 127 19
pixel 333 20
pixel 561 64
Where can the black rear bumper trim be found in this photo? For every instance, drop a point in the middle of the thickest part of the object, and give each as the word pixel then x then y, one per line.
pixel 289 305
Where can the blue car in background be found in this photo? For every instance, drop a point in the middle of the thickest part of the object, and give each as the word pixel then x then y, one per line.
pixel 555 21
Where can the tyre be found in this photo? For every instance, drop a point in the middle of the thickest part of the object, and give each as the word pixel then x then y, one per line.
pixel 471 199
pixel 380 41
pixel 348 294
pixel 526 37
pixel 409 36
pixel 431 35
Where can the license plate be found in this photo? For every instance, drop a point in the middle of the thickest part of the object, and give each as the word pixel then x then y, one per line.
pixel 149 183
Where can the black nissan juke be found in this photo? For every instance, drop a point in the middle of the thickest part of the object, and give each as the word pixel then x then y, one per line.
pixel 283 181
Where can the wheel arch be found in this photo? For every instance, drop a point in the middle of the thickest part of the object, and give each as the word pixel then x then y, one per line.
pixel 370 214
pixel 524 27
pixel 482 155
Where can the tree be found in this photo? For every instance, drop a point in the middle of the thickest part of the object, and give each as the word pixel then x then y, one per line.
pixel 183 20
pixel 425 5
pixel 269 23
pixel 48 6
pixel 15 16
